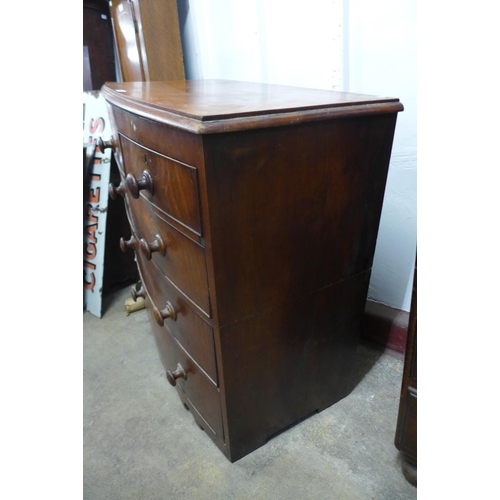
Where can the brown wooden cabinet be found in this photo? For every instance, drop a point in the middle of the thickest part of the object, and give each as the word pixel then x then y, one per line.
pixel 406 431
pixel 98 55
pixel 147 39
pixel 254 212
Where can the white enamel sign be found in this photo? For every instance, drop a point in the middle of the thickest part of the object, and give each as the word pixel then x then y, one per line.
pixel 95 199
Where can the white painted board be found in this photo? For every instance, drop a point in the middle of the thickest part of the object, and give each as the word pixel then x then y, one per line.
pixel 95 199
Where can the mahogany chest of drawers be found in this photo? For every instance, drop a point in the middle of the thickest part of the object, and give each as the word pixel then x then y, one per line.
pixel 254 212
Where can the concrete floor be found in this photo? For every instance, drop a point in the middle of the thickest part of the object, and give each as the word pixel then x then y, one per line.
pixel 140 442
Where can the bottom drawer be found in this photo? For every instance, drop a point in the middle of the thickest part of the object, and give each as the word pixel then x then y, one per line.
pixel 189 328
pixel 190 381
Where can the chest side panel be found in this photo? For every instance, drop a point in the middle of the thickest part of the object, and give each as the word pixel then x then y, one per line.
pixel 290 361
pixel 294 209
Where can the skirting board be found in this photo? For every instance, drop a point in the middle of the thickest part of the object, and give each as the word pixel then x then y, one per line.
pixel 385 325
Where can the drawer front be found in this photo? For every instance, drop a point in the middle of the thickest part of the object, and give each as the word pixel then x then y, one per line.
pixel 183 261
pixel 174 185
pixel 169 141
pixel 201 393
pixel 189 328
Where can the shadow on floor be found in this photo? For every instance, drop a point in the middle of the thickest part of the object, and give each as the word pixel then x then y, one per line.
pixel 367 356
pixel 109 296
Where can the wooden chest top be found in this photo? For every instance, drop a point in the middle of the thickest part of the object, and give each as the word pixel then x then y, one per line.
pixel 211 106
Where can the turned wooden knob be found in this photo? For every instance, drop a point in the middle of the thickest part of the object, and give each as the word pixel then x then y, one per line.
pixel 113 191
pixel 167 313
pixel 131 243
pixel 135 185
pixel 103 144
pixel 156 246
pixel 178 373
pixel 138 293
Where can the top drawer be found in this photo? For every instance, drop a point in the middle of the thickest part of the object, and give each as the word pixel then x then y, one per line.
pixel 174 184
pixel 167 140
